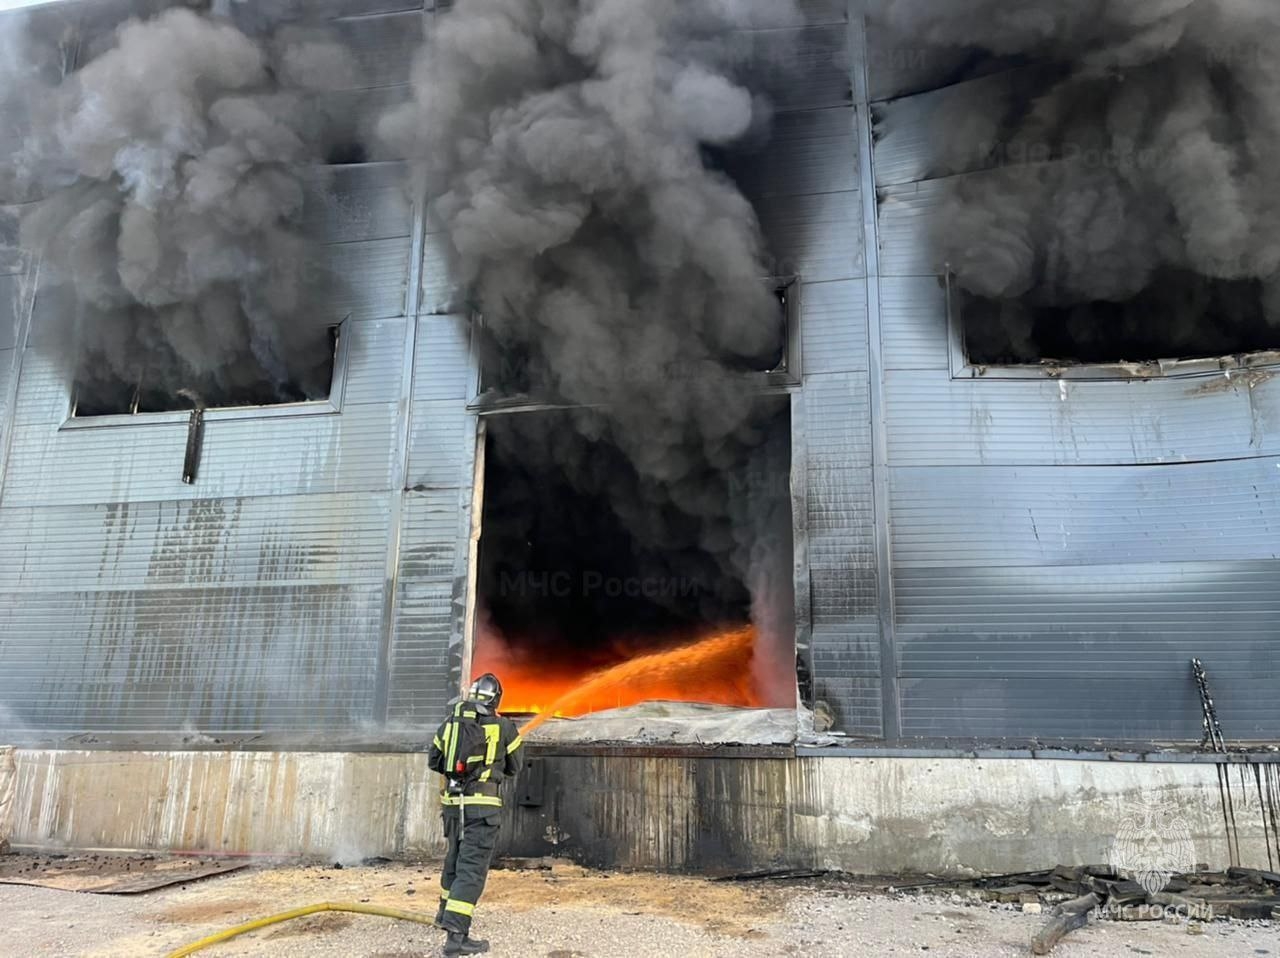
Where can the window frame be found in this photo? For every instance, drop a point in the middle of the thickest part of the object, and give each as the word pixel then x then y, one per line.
pixel 330 406
pixel 962 367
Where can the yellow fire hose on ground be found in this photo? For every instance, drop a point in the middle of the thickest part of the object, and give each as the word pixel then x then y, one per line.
pixel 249 926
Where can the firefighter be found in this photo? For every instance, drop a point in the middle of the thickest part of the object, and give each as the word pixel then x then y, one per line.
pixel 475 749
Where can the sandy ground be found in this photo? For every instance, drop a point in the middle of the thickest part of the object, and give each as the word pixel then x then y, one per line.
pixel 569 912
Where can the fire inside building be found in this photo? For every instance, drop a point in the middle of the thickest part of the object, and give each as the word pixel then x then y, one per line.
pixel 824 416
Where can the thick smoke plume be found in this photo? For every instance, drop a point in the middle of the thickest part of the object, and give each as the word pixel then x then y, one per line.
pixel 564 145
pixel 1139 167
pixel 173 170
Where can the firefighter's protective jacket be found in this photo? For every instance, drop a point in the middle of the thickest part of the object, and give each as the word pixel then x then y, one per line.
pixel 501 758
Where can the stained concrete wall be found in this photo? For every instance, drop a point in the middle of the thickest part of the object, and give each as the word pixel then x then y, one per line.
pixel 7 777
pixel 678 812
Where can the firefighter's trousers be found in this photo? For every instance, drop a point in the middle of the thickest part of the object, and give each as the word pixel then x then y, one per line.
pixel 466 863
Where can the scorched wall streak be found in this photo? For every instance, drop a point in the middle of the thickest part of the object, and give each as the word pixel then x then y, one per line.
pixel 1058 553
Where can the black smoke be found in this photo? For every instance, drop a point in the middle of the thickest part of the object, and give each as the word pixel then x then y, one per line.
pixel 564 146
pixel 1131 197
pixel 173 173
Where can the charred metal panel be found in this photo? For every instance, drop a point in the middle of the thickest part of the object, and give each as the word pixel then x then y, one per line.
pixel 841 551
pixel 427 624
pixel 422 631
pixel 935 420
pixel 366 280
pixel 229 614
pixel 277 456
pixel 811 236
pixel 949 131
pixel 907 241
pixel 347 204
pixel 12 297
pixel 808 152
pixel 802 69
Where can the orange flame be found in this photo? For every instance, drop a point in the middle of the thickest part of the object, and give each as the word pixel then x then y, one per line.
pixel 715 670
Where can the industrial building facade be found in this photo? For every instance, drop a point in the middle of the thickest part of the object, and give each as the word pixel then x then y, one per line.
pixel 982 554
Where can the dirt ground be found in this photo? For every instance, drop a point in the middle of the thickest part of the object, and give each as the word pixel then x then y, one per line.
pixel 560 912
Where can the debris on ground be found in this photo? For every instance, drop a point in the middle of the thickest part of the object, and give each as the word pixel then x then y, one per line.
pixel 537 908
pixel 1077 892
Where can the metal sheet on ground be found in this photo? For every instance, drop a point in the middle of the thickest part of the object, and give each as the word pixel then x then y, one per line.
pixel 125 876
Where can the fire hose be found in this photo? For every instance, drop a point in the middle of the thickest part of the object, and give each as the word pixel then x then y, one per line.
pixel 357 908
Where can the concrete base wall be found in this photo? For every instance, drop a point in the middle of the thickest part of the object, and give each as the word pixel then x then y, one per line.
pixel 681 813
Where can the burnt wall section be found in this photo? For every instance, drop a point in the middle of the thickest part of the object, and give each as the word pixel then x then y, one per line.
pixel 743 811
pixel 806 187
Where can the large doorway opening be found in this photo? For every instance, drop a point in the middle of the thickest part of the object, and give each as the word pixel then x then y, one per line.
pixel 672 591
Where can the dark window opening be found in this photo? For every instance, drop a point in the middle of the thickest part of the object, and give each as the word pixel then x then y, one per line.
pixel 583 568
pixel 101 391
pixel 345 153
pixel 1178 316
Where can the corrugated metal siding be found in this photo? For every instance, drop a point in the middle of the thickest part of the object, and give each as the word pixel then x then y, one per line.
pixel 420 653
pixel 251 601
pixel 228 614
pixel 842 572
pixel 430 586
pixel 936 420
pixel 1061 549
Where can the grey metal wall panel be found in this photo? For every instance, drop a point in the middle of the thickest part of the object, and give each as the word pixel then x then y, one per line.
pixel 903 65
pixel 374 362
pixel 366 280
pixel 907 235
pixel 383 45
pixel 13 259
pixel 841 550
pixel 6 375
pixel 12 287
pixel 1089 653
pixel 833 325
pixel 935 420
pixel 914 311
pixel 203 543
pixel 993 518
pixel 225 614
pixel 420 662
pixel 293 659
pixel 442 364
pixel 824 11
pixel 419 680
pixel 436 445
pixel 802 69
pixel 368 201
pixel 441 293
pixel 808 151
pixel 948 131
pixel 282 456
pixel 811 235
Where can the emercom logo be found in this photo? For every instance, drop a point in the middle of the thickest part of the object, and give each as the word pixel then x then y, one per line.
pixel 1152 844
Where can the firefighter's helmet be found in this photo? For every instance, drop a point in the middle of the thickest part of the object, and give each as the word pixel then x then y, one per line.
pixel 487 690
